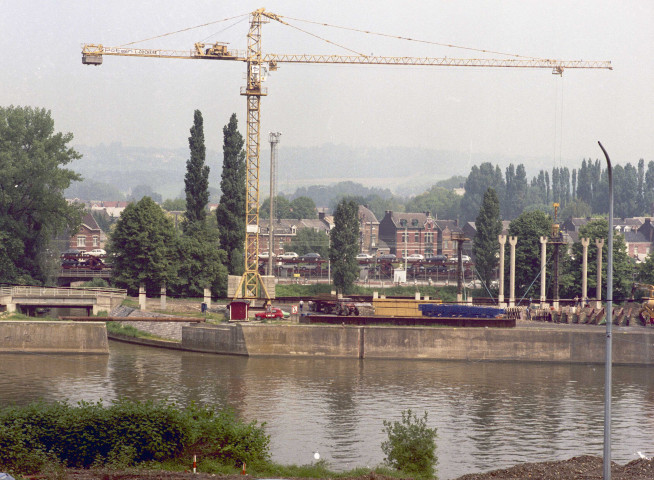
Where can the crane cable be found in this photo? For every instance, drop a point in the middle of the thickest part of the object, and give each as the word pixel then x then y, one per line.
pixel 411 39
pixel 279 19
pixel 186 29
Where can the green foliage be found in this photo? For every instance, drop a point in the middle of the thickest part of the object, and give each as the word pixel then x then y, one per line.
pixel 174 205
pixel 411 445
pixel 145 248
pixel 309 240
pixel 528 227
pixel 439 201
pixel 126 433
pixel 33 210
pixel 231 209
pixel 196 180
pixel 282 208
pixel 142 190
pixel 575 209
pixel 303 207
pixel 201 263
pixel 480 179
pixel 298 208
pixel 96 283
pixel 91 190
pixel 485 245
pixel 105 221
pixel 622 264
pixel 345 245
pixel 220 435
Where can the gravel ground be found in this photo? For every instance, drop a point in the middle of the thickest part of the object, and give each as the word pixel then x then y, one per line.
pixel 585 467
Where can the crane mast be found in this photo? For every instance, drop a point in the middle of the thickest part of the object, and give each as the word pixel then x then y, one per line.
pixel 251 285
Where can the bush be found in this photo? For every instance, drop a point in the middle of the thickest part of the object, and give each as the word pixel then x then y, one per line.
pixel 411 445
pixel 126 433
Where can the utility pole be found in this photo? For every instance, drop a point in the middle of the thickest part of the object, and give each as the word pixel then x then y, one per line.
pixel 274 140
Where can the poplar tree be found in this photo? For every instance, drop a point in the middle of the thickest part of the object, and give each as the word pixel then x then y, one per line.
pixel 345 245
pixel 230 213
pixel 485 246
pixel 196 180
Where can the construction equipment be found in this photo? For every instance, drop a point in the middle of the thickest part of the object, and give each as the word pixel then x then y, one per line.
pixel 258 63
pixel 647 307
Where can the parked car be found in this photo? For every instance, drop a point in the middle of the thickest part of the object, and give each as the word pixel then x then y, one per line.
pixel 273 313
pixel 437 258
pixel 266 255
pixel 388 256
pixel 96 252
pixel 289 256
pixel 415 257
pixel 465 258
pixel 364 256
pixel 310 257
pixel 71 253
pixel 69 263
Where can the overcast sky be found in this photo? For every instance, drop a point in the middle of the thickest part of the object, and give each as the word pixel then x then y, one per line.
pixel 511 112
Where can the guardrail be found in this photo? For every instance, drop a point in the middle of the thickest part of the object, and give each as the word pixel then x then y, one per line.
pixel 59 292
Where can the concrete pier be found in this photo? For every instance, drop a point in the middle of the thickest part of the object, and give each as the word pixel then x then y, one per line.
pixel 568 344
pixel 53 337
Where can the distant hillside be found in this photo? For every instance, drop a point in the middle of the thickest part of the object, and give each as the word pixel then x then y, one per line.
pixel 404 170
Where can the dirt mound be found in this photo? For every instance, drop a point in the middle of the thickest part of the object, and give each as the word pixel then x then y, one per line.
pixel 585 467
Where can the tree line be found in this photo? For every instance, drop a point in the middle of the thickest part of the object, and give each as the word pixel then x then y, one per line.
pixel 529 227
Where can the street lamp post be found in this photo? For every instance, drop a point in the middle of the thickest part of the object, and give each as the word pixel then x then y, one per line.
pixel 609 323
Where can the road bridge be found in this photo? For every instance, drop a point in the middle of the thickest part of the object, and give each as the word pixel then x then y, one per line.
pixel 69 275
pixel 27 299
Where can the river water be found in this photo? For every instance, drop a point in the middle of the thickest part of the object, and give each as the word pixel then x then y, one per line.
pixel 488 415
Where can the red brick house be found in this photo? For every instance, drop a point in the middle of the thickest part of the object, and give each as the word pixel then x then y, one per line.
pixel 88 236
pixel 413 232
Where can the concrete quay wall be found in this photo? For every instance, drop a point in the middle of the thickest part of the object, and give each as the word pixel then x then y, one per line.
pixel 53 337
pixel 516 344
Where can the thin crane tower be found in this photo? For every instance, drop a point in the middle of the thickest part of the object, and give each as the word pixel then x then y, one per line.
pixel 251 285
pixel 274 141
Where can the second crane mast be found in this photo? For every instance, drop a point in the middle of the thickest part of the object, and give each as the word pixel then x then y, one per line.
pixel 251 285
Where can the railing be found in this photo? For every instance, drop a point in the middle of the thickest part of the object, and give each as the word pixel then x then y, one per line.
pixel 84 272
pixel 59 292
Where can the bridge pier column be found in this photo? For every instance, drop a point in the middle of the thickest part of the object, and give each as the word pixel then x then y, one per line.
pixel 163 296
pixel 500 296
pixel 142 296
pixel 207 297
pixel 11 307
pixel 512 243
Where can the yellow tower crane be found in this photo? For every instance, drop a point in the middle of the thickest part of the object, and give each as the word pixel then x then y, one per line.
pixel 251 285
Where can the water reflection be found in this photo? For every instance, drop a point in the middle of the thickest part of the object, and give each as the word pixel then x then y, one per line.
pixel 488 415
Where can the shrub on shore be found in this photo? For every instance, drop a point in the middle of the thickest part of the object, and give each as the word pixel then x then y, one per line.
pixel 126 433
pixel 411 445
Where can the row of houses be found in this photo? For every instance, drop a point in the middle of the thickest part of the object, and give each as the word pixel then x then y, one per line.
pixel 398 233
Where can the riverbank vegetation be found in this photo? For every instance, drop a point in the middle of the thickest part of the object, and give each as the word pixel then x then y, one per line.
pixel 41 437
pixel 126 434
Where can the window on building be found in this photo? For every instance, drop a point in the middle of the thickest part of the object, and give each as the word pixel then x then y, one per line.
pixel 414 222
pixel 429 237
pixel 403 222
pixel 81 241
pixel 416 237
pixel 96 241
pixel 445 244
pixel 405 237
